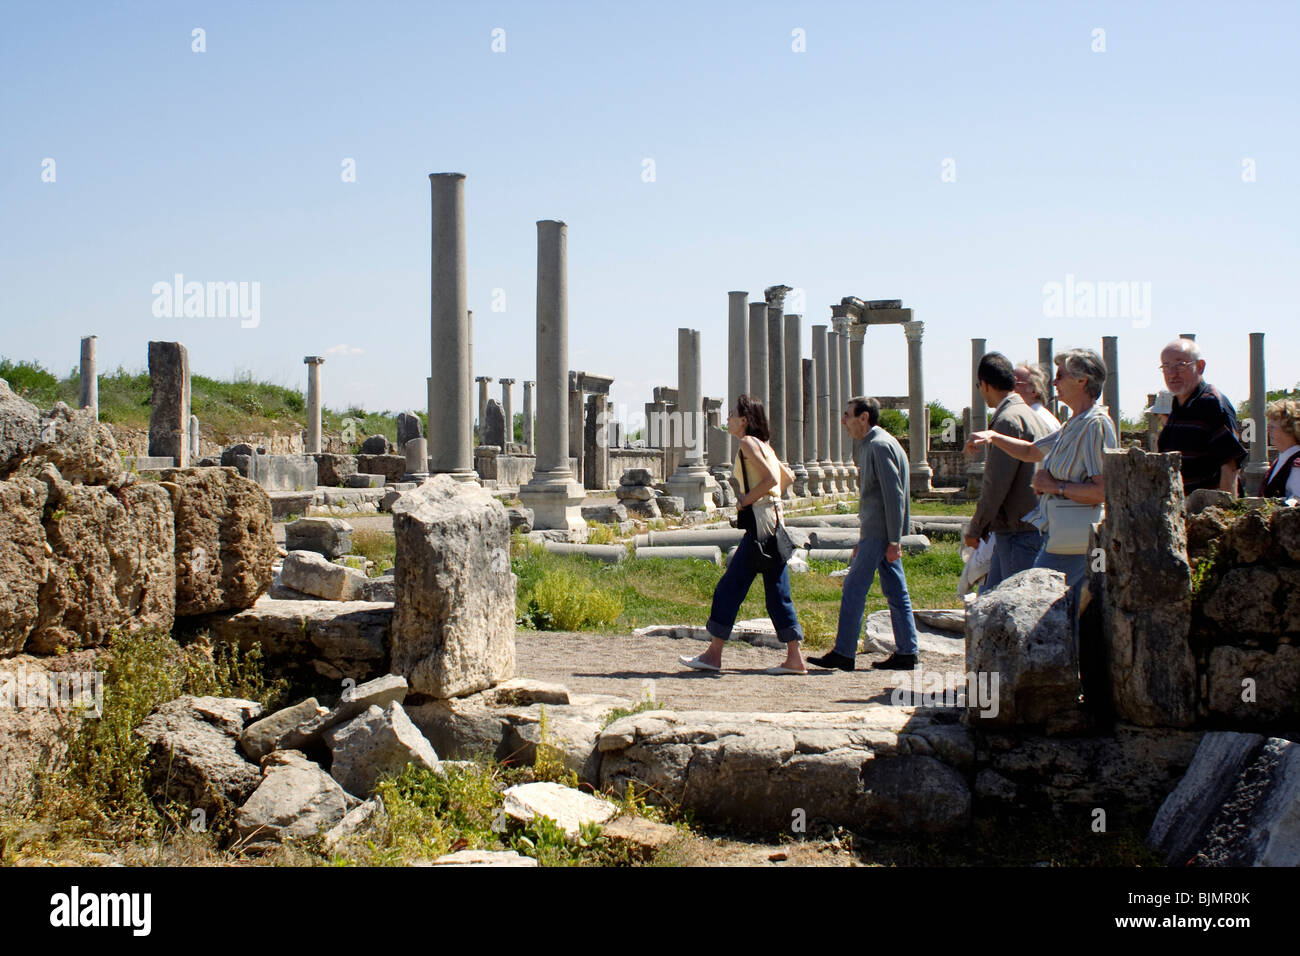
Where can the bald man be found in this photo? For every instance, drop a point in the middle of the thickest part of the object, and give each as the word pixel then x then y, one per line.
pixel 1202 425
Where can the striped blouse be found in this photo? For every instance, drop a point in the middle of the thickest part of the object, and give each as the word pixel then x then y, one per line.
pixel 1074 453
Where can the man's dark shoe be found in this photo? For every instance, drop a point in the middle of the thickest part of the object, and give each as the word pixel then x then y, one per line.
pixel 896 662
pixel 838 661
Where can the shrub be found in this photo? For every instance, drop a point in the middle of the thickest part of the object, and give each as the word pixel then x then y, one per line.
pixel 562 601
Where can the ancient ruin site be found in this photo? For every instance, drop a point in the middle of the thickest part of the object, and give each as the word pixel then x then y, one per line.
pixel 352 564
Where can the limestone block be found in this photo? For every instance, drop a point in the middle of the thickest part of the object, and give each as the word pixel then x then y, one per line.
pixel 408 427
pixel 1024 631
pixel 382 588
pixel 360 480
pixel 23 560
pixel 1286 533
pixel 644 837
pixel 628 493
pixel 333 470
pixel 295 800
pixel 897 769
pixel 35 737
pixel 671 504
pixel 914 544
pixel 521 519
pixel 111 565
pixel 1245 602
pixel 1274 691
pixel 72 440
pixel 355 822
pixel 637 476
pixel 225 544
pixel 193 756
pixel 483 858
pixel 380 692
pixel 392 467
pixel 331 537
pixel 605 514
pixel 258 738
pixel 1186 813
pixel 378 743
pixel 312 639
pixel 454 619
pixel 310 573
pixel 568 808
pixel 376 445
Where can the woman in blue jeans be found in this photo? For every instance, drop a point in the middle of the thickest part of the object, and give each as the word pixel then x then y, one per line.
pixel 759 474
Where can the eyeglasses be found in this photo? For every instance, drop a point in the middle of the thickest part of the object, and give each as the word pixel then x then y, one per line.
pixel 1176 366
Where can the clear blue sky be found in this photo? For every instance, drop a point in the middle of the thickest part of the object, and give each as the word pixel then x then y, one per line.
pixel 819 169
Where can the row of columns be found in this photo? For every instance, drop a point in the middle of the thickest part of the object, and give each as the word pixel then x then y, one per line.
pixel 507 407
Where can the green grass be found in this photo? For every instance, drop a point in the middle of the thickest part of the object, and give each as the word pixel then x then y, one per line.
pixel 663 591
pixel 377 545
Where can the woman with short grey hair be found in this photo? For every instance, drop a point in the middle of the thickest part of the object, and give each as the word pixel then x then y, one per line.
pixel 1069 484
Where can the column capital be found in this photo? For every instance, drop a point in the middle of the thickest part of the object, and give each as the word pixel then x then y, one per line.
pixel 506 381
pixel 913 330
pixel 528 384
pixel 853 305
pixel 314 360
pixel 857 332
pixel 841 323
pixel 841 311
pixel 483 378
pixel 775 294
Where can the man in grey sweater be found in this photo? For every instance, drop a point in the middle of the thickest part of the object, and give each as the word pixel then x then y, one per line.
pixel 1006 494
pixel 884 516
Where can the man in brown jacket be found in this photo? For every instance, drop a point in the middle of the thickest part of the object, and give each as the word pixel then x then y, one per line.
pixel 1007 494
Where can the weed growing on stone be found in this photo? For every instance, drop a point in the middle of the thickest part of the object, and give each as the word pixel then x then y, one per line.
pixel 598 533
pixel 376 545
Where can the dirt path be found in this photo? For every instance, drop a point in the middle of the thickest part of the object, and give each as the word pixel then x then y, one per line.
pixel 625 666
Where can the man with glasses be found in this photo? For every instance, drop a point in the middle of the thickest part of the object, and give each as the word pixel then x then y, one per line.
pixel 1202 424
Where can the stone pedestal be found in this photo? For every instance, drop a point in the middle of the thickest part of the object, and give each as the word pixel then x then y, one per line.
pixel 451 435
pixel 88 395
pixel 416 451
pixel 313 363
pixel 169 415
pixel 691 481
pixel 552 494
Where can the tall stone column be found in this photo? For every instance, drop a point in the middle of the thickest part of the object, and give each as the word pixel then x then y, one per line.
pixel 979 420
pixel 848 447
pixel 169 412
pixel 556 499
pixel 595 444
pixel 313 363
pixel 1049 370
pixel 857 373
pixel 195 454
pixel 451 435
pixel 88 396
pixel 691 481
pixel 918 415
pixel 1110 388
pixel 737 357
pixel 508 408
pixel 794 404
pixel 528 417
pixel 775 296
pixel 483 382
pixel 836 473
pixel 577 427
pixel 825 421
pixel 758 375
pixel 810 409
pixel 1257 465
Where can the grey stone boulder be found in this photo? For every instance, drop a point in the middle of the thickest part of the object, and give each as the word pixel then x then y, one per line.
pixel 1185 815
pixel 568 808
pixel 605 514
pixel 24 564
pixel 521 519
pixel 914 544
pixel 671 504
pixel 454 618
pixel 376 744
pixel 331 537
pixel 258 738
pixel 376 445
pixel 333 470
pixel 302 639
pixel 408 427
pixel 193 752
pixel 379 692
pixel 360 480
pixel 630 493
pixel 310 573
pixel 357 821
pixel 637 476
pixel 1024 631
pixel 295 800
pixel 895 769
pixel 72 440
pixel 382 588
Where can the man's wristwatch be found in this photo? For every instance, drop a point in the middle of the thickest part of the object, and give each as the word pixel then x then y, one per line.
pixel 1061 490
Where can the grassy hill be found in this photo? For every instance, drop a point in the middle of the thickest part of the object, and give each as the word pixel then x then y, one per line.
pixel 225 409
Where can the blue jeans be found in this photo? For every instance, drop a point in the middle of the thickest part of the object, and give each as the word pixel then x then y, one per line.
pixel 1073 566
pixel 1012 553
pixel 734 586
pixel 853 603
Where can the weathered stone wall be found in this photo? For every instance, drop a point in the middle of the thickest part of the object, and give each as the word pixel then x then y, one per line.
pixel 651 459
